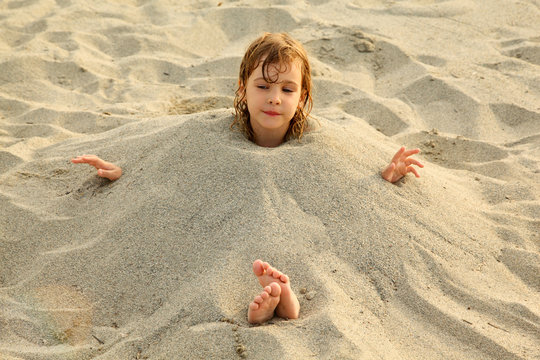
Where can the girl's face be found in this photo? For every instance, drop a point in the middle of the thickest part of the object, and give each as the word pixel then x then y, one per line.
pixel 271 106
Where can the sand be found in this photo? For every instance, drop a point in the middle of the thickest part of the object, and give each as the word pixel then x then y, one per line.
pixel 157 265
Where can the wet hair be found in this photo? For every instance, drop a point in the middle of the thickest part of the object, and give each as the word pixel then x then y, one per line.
pixel 279 50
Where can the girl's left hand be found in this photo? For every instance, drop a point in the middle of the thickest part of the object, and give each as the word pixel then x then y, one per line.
pixel 401 165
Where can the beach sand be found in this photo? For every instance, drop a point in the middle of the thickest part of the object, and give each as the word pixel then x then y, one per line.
pixel 157 265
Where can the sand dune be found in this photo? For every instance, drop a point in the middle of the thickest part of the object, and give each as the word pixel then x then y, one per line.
pixel 157 264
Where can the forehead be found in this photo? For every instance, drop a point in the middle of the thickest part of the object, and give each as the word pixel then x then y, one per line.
pixel 292 70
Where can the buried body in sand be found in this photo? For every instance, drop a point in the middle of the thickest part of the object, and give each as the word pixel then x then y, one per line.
pixel 272 103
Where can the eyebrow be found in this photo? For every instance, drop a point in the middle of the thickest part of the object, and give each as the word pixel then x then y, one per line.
pixel 279 82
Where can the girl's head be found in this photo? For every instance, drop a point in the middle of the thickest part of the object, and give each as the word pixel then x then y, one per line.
pixel 274 88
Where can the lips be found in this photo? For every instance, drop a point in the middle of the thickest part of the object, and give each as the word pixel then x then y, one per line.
pixel 271 113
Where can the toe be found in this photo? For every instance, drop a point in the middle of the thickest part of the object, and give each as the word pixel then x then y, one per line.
pixel 258 268
pixel 258 299
pixel 284 278
pixel 264 295
pixel 254 306
pixel 275 289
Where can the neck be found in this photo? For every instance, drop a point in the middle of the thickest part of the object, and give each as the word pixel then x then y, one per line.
pixel 269 140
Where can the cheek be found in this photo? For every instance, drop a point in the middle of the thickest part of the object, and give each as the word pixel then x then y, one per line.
pixel 250 102
pixel 251 95
pixel 296 102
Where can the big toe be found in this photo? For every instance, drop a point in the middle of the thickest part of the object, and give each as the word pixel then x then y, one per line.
pixel 258 268
pixel 275 289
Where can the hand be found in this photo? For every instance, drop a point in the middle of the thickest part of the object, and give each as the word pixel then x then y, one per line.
pixel 401 165
pixel 104 169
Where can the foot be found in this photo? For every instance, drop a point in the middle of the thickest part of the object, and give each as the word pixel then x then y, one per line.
pixel 263 306
pixel 288 306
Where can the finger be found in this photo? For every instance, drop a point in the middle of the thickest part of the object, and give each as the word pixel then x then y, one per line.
pixel 396 178
pixel 81 156
pixel 413 170
pixel 398 154
pixel 79 159
pixel 414 162
pixel 89 159
pixel 97 162
pixel 411 152
pixel 387 173
pixel 100 164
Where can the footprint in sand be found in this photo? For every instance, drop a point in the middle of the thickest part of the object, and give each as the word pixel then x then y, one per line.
pixel 60 315
pixel 10 108
pixel 362 61
pixel 63 39
pixel 453 153
pixel 66 75
pixel 442 106
pixel 225 19
pixel 198 104
pixel 378 115
pixel 528 51
pixel 343 49
pixel 524 264
pixel 432 60
pixel 8 161
pixel 523 122
pixel 20 4
pixel 154 70
pixel 82 122
pixel 436 9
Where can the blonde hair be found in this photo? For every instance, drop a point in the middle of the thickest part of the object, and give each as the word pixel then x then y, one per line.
pixel 276 49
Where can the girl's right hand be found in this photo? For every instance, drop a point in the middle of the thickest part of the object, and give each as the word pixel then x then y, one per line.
pixel 104 169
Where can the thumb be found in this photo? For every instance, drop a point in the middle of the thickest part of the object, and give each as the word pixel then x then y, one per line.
pixel 109 174
pixel 387 173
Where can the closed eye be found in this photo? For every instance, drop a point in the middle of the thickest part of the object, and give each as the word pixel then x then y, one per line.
pixel 262 87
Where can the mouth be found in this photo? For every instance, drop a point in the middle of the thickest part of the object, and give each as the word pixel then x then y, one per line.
pixel 271 113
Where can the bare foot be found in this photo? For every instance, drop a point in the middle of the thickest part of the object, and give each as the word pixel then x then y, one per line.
pixel 104 169
pixel 288 306
pixel 263 306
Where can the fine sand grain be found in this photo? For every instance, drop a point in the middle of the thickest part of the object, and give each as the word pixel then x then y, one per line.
pixel 157 265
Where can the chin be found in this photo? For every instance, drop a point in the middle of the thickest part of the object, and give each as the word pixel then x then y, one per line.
pixel 272 125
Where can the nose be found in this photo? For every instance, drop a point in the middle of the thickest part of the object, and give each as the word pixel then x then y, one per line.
pixel 273 98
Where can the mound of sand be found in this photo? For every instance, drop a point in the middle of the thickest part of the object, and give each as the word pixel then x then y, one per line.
pixel 158 264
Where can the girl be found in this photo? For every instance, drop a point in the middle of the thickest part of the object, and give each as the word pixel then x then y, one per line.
pixel 272 103
pixel 273 98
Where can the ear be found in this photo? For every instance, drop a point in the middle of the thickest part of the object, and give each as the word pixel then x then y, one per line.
pixel 240 85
